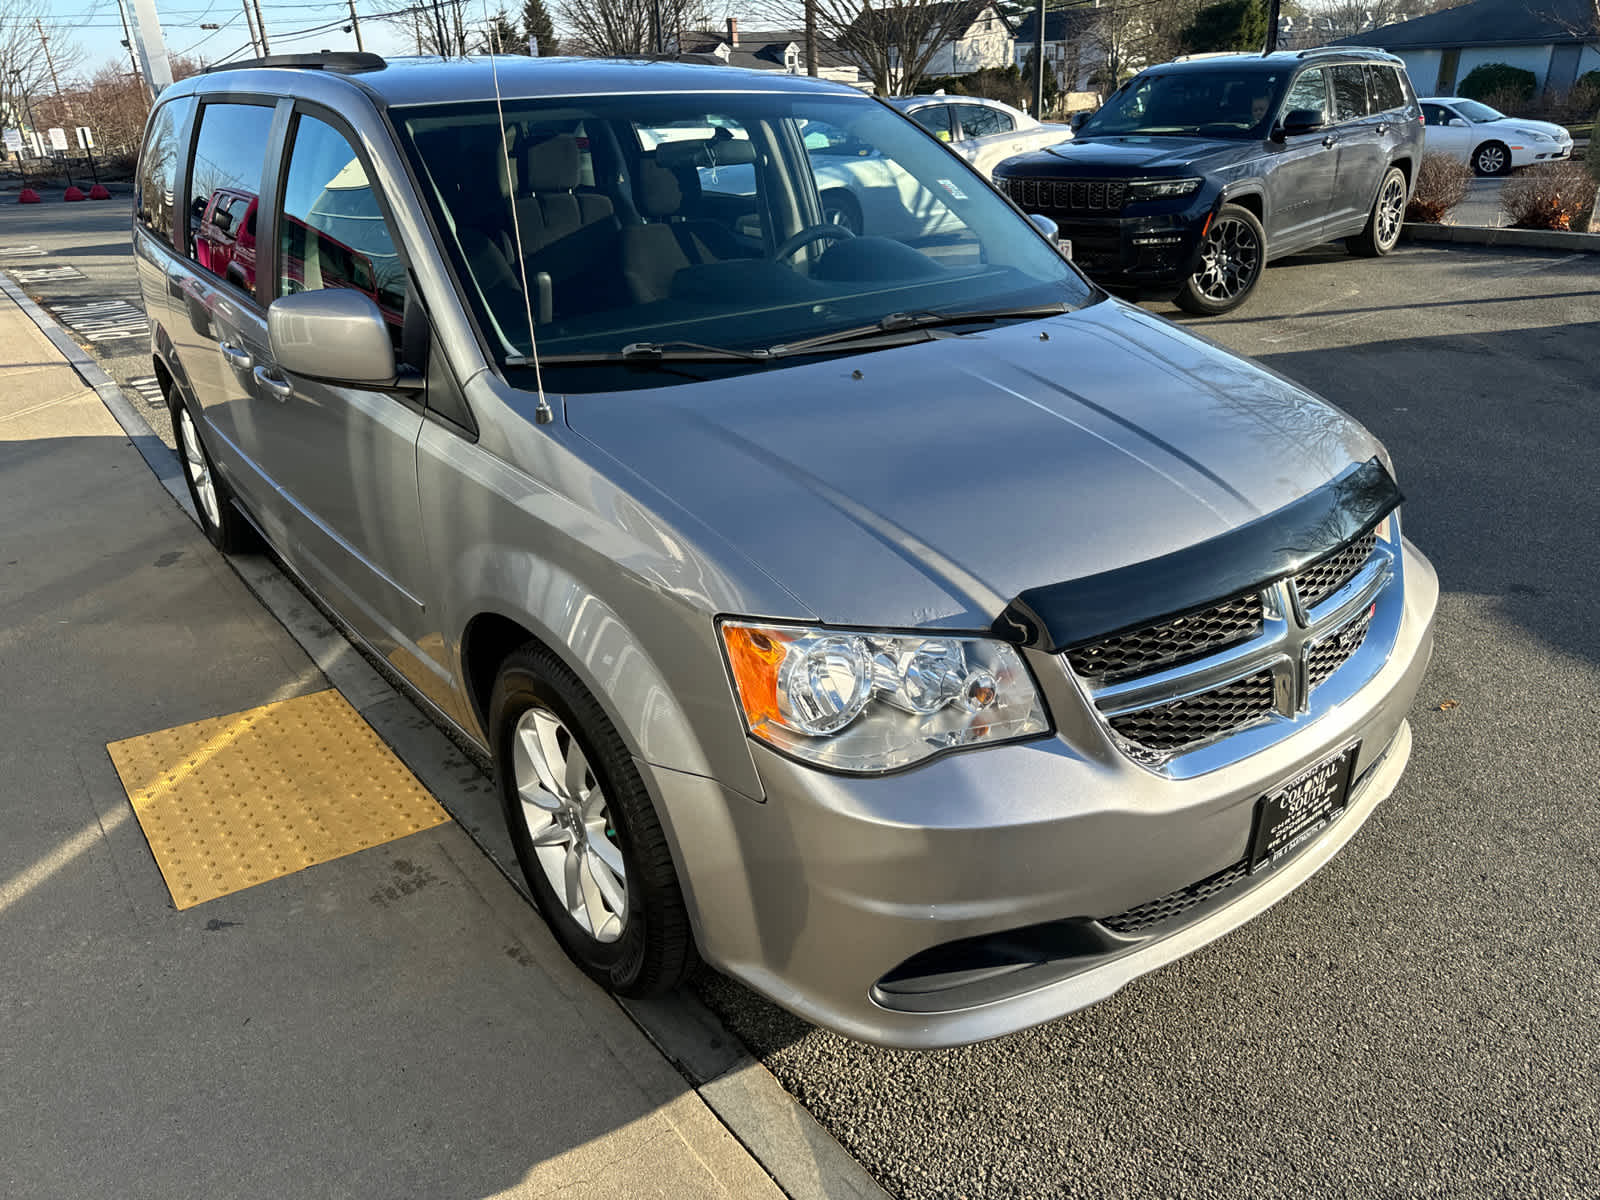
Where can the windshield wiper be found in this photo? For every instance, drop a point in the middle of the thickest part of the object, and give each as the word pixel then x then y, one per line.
pixel 645 353
pixel 898 322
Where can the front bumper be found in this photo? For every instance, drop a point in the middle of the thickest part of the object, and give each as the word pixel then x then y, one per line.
pixel 1148 251
pixel 816 895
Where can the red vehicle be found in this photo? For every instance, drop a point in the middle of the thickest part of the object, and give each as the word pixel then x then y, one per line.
pixel 225 243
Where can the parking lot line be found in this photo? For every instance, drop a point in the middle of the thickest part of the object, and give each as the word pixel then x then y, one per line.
pixel 230 802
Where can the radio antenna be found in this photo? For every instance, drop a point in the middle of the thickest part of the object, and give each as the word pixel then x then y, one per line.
pixel 542 414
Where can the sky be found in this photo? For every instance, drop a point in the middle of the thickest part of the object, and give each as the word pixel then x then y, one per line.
pixel 96 27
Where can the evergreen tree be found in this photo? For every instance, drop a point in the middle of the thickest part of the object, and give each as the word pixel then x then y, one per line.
pixel 1227 25
pixel 536 24
pixel 501 37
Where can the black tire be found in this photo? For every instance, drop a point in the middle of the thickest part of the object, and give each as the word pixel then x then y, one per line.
pixel 1491 158
pixel 655 949
pixel 1218 284
pixel 221 521
pixel 1382 232
pixel 839 207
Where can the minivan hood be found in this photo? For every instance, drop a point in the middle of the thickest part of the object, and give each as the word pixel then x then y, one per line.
pixel 930 484
pixel 1137 153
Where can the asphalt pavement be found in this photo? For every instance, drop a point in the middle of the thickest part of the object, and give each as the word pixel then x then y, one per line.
pixel 1419 1018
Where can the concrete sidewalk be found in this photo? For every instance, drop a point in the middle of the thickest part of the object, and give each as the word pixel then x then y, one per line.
pixel 396 1022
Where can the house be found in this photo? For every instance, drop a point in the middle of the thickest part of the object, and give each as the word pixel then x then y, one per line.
pixel 975 35
pixel 1072 47
pixel 1558 40
pixel 771 50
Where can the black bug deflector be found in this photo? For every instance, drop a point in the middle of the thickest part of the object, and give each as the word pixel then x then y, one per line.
pixel 1058 616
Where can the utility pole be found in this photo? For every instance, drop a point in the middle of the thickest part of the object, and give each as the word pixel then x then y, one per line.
pixel 811 37
pixel 133 59
pixel 250 24
pixel 1038 82
pixel 355 24
pixel 261 25
pixel 44 40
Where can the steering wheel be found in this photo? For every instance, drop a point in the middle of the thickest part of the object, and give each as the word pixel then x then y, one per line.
pixel 813 233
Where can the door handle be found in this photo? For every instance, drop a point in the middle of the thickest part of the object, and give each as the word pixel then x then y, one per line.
pixel 1330 140
pixel 274 385
pixel 1383 128
pixel 238 359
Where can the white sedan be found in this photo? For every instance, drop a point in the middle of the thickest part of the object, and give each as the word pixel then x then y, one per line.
pixel 1488 139
pixel 984 132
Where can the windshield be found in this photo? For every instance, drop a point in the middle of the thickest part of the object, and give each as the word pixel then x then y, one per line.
pixel 741 221
pixel 1478 114
pixel 1224 103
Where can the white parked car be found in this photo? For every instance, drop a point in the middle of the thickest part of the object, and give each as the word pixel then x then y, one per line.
pixel 984 132
pixel 1488 139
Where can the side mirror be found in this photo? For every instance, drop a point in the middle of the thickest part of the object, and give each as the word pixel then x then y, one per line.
pixel 1078 119
pixel 222 219
pixel 1302 120
pixel 335 335
pixel 1459 123
pixel 1052 233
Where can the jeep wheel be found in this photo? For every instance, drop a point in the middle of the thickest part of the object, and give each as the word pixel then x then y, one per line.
pixel 1232 255
pixel 1383 223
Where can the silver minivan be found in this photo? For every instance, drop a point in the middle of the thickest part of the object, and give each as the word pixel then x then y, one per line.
pixel 883 615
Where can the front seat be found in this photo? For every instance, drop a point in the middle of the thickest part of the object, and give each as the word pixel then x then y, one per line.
pixel 654 252
pixel 568 236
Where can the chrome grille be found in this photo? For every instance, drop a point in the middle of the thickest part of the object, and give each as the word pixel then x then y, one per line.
pixel 1322 579
pixel 1179 723
pixel 1331 653
pixel 1171 642
pixel 1068 195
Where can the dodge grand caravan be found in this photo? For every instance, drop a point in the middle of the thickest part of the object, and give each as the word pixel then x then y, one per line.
pixel 886 616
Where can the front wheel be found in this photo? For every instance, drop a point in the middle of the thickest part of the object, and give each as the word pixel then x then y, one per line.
pixel 585 831
pixel 1388 214
pixel 1232 255
pixel 1491 158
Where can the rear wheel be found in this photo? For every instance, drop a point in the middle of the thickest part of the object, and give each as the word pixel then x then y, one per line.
pixel 223 524
pixel 1491 158
pixel 1232 255
pixel 1387 216
pixel 585 831
pixel 839 207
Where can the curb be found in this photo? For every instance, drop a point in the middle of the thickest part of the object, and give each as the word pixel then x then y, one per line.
pixel 1488 235
pixel 802 1157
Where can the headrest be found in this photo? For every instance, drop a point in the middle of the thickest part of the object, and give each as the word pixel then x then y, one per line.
pixel 551 165
pixel 659 193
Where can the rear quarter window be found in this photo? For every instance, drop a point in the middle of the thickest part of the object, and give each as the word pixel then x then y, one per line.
pixel 157 177
pixel 1383 86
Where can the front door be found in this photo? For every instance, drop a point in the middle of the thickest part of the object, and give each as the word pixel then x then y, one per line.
pixel 988 136
pixel 344 459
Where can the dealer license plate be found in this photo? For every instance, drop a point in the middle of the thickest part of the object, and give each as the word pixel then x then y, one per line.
pixel 1294 814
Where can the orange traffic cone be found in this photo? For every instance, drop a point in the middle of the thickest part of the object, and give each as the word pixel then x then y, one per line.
pixel 29 196
pixel 74 193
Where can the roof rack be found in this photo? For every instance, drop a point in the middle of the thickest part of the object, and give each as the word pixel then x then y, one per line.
pixel 345 62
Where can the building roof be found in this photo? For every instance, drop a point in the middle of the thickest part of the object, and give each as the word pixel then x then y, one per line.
pixel 763 50
pixel 1060 24
pixel 957 16
pixel 1488 23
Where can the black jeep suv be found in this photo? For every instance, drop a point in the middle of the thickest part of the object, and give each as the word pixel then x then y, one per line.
pixel 1196 172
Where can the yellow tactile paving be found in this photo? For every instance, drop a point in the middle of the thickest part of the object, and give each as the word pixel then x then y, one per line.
pixel 230 802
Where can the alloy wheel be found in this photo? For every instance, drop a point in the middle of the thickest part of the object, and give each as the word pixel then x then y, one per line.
pixel 1491 160
pixel 1230 259
pixel 568 821
pixel 1391 212
pixel 199 470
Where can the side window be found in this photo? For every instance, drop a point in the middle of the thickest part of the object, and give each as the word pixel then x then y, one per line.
pixel 1435 114
pixel 935 118
pixel 1349 92
pixel 226 176
pixel 1383 84
pixel 332 233
pixel 978 120
pixel 157 177
pixel 1310 91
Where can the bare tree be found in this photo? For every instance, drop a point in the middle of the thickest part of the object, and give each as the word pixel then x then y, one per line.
pixel 1334 19
pixel 894 41
pixel 627 28
pixel 23 67
pixel 436 26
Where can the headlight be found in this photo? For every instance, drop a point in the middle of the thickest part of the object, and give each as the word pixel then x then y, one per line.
pixel 1161 189
pixel 868 702
pixel 1535 135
